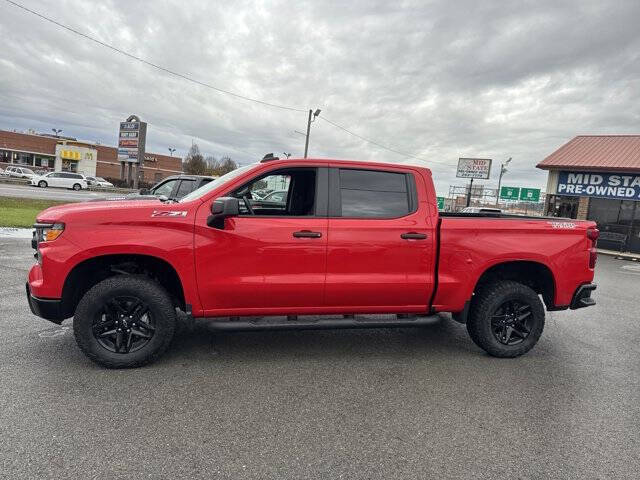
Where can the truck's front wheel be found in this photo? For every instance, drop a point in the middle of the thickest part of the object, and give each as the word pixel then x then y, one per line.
pixel 507 319
pixel 124 321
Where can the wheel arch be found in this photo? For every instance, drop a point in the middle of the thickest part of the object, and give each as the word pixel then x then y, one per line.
pixel 91 271
pixel 533 274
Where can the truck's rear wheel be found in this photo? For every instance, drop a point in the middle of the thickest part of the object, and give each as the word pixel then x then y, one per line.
pixel 124 321
pixel 507 319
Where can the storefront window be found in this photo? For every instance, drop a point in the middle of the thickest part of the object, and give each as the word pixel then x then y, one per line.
pixel 23 158
pixel 42 161
pixel 602 210
pixel 69 166
pixel 5 156
pixel 626 212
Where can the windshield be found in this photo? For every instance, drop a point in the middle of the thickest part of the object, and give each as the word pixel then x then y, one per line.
pixel 216 183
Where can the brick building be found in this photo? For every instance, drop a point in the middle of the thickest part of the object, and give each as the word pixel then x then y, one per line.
pixel 45 152
pixel 597 177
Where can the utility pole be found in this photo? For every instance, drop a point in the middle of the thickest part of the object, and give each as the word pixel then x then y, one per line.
pixel 306 140
pixel 503 170
pixel 469 193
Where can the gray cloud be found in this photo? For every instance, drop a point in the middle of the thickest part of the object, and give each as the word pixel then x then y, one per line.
pixel 435 79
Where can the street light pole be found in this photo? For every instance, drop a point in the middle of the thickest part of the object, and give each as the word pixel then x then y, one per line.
pixel 503 170
pixel 171 150
pixel 306 140
pixel 57 131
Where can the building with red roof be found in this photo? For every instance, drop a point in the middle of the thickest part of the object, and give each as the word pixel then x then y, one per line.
pixel 597 177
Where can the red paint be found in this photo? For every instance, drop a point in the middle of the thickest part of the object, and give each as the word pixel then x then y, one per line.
pixel 256 267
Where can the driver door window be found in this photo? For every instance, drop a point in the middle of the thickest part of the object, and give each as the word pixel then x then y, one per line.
pixel 290 192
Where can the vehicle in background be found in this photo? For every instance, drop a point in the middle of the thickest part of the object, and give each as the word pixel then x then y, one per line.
pixel 171 188
pixel 261 193
pixel 98 182
pixel 480 210
pixel 19 172
pixel 75 181
pixel 351 238
pixel 279 196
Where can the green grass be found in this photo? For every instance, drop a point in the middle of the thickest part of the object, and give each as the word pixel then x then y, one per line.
pixel 21 212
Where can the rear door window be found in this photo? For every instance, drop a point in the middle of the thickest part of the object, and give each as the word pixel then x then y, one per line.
pixel 373 194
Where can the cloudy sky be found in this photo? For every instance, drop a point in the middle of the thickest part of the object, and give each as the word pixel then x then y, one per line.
pixel 436 80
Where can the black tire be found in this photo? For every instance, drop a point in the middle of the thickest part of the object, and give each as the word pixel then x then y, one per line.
pixel 77 186
pixel 492 320
pixel 94 317
pixel 42 184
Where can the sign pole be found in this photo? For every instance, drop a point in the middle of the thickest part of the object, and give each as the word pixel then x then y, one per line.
pixel 469 193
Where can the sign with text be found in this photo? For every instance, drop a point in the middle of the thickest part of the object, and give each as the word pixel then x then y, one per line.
pixel 530 194
pixel 440 203
pixel 128 142
pixel 622 186
pixel 509 193
pixel 473 168
pixel 132 138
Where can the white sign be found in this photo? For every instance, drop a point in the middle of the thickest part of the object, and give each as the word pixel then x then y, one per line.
pixel 473 167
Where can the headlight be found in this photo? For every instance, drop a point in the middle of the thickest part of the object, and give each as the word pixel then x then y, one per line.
pixel 48 232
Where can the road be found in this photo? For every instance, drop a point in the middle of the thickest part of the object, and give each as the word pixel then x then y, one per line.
pixel 353 404
pixel 25 191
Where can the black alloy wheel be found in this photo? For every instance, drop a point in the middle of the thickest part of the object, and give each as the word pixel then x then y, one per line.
pixel 510 322
pixel 506 318
pixel 124 325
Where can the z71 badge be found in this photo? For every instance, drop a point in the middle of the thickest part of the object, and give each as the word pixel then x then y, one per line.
pixel 169 213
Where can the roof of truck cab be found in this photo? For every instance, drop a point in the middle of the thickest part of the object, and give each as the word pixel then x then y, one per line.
pixel 358 163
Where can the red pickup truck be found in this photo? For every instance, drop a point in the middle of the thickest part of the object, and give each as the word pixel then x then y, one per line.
pixel 349 238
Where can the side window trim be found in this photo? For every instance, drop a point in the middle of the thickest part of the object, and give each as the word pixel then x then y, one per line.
pixel 335 196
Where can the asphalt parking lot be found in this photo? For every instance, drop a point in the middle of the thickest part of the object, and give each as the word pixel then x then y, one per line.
pixel 385 403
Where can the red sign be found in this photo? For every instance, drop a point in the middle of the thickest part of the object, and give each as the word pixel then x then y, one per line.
pixel 128 142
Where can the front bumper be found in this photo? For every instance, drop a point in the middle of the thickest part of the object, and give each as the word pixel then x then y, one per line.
pixel 582 296
pixel 47 308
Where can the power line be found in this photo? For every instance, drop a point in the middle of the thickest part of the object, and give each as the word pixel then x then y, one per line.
pixel 207 85
pixel 376 143
pixel 151 64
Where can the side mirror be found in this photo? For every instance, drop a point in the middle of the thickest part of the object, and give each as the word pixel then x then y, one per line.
pixel 222 208
pixel 145 191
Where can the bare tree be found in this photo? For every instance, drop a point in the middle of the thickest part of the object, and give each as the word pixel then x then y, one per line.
pixel 194 163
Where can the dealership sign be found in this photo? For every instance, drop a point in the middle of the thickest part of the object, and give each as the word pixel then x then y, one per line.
pixel 623 186
pixel 473 168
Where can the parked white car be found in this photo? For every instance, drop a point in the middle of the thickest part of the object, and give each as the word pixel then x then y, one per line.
pixel 19 172
pixel 72 180
pixel 98 182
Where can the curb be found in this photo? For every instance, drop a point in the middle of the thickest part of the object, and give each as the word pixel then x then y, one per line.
pixel 633 257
